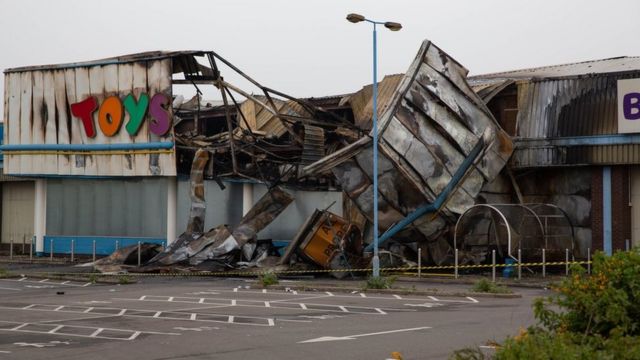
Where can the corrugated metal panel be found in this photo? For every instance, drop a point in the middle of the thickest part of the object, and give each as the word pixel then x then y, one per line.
pixel 262 120
pixel 17 211
pixel 105 207
pixel 617 64
pixel 555 155
pixel 434 121
pixel 38 112
pixel 552 108
pixel 362 101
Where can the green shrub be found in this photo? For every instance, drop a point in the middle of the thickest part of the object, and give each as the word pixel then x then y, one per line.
pixel 268 279
pixel 540 344
pixel 486 286
pixel 593 317
pixel 380 282
pixel 3 273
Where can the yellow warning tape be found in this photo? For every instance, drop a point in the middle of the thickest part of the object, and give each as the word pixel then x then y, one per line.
pixel 320 271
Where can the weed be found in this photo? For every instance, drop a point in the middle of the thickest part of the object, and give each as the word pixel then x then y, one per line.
pixel 3 273
pixel 93 278
pixel 486 286
pixel 380 282
pixel 268 279
pixel 124 279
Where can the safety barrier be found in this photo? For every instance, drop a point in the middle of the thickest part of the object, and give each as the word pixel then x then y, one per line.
pixel 324 271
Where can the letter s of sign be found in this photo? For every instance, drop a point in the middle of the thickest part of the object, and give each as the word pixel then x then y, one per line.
pixel 161 122
pixel 84 110
pixel 631 102
pixel 110 116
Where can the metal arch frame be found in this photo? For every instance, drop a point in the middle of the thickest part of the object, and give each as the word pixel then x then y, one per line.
pixel 494 207
pixel 455 231
pixel 525 206
pixel 573 234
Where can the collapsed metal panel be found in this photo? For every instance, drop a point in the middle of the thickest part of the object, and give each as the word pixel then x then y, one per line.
pixel 434 122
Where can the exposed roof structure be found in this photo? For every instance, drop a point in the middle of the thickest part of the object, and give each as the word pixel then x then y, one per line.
pixel 611 65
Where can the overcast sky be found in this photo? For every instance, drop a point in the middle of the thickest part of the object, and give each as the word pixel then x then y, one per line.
pixel 307 48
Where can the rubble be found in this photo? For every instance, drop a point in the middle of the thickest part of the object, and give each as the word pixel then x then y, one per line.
pixel 328 241
pixel 439 148
pixel 438 145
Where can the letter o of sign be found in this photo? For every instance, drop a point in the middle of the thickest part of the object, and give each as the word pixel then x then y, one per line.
pixel 111 115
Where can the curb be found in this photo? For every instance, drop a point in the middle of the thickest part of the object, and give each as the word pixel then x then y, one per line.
pixel 459 281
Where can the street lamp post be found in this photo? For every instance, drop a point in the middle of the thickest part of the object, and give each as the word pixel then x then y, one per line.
pixel 393 26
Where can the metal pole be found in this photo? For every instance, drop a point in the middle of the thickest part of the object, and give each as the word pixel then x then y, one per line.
pixel 139 253
pixel 626 244
pixel 93 251
pixel 519 263
pixel 117 245
pixel 544 263
pixel 588 260
pixel 493 265
pixel 31 250
pixel 376 259
pixel 73 248
pixel 566 262
pixel 51 249
pixel 419 263
pixel 456 264
pixel 11 249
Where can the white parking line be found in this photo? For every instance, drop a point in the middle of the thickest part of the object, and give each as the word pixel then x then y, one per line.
pixel 162 315
pixel 471 300
pixel 6 288
pixel 59 330
pixel 67 283
pixel 273 304
pixel 357 295
pixel 52 331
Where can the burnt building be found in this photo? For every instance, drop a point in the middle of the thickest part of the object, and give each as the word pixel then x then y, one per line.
pixel 573 147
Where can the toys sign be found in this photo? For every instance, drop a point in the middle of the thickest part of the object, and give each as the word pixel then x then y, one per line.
pixel 629 106
pixel 111 114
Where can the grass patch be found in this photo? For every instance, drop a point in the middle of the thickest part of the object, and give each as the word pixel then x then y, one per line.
pixel 268 279
pixel 380 282
pixel 93 278
pixel 4 273
pixel 124 279
pixel 486 286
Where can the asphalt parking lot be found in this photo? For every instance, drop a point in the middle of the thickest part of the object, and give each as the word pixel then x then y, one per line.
pixel 227 319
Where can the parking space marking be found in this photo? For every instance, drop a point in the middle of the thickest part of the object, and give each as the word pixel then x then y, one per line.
pixel 79 331
pixel 353 337
pixel 469 300
pixel 68 283
pixel 359 295
pixel 272 304
pixel 166 315
pixel 6 288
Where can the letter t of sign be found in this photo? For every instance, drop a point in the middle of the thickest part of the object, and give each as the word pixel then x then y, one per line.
pixel 84 110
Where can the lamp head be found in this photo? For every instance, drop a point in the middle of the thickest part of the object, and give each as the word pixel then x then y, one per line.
pixel 393 26
pixel 355 18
